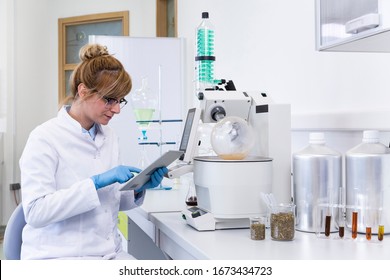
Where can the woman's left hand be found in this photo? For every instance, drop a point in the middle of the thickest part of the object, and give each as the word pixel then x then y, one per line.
pixel 155 179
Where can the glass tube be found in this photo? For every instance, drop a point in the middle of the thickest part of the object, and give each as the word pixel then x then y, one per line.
pixel 368 232
pixel 381 232
pixel 355 215
pixel 381 226
pixel 328 219
pixel 354 223
pixel 341 231
pixel 369 203
pixel 341 212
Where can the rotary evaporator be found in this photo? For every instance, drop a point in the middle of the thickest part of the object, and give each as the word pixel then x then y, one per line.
pixel 251 139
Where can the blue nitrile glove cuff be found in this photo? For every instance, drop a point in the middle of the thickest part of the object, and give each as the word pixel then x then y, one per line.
pixel 119 174
pixel 155 179
pixel 96 180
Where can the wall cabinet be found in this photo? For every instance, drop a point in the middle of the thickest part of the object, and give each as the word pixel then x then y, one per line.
pixel 353 25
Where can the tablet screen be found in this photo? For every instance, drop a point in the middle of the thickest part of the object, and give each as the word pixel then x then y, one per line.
pixel 144 176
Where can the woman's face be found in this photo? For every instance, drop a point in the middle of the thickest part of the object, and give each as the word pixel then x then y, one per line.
pixel 94 109
pixel 97 110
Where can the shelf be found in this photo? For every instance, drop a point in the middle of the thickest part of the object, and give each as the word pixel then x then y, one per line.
pixel 375 41
pixel 157 143
pixel 159 121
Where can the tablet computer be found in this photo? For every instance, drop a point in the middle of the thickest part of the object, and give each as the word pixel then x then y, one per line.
pixel 144 176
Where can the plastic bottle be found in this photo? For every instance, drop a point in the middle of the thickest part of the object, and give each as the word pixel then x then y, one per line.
pixel 368 182
pixel 204 59
pixel 316 184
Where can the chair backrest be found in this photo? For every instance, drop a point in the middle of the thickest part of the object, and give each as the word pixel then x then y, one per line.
pixel 12 243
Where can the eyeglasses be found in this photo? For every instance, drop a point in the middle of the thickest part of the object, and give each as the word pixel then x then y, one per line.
pixel 111 102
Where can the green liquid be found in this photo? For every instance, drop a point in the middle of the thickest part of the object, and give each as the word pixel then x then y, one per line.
pixel 205 42
pixel 143 116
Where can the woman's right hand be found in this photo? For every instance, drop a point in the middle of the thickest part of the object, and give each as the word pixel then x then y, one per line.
pixel 119 174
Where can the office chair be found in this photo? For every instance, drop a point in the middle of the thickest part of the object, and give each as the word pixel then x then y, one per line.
pixel 12 242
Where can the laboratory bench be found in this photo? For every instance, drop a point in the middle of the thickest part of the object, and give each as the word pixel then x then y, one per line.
pixel 158 231
pixel 139 236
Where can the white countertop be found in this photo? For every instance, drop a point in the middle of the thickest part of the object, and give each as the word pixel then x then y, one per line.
pixel 160 218
pixel 161 201
pixel 157 201
pixel 235 244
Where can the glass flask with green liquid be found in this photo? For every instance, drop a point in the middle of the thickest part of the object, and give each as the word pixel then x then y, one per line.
pixel 144 103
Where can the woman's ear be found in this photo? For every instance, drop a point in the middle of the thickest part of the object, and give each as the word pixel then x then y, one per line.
pixel 81 90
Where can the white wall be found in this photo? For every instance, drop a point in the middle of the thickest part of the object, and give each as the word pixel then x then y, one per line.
pixel 270 46
pixel 7 101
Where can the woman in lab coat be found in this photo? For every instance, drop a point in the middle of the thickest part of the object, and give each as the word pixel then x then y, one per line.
pixel 70 170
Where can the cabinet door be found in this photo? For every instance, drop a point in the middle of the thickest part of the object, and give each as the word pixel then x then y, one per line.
pixel 353 25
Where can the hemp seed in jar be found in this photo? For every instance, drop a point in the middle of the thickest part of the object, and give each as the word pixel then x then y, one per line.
pixel 257 228
pixel 282 222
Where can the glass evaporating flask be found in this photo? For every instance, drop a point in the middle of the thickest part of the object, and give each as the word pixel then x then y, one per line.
pixel 205 58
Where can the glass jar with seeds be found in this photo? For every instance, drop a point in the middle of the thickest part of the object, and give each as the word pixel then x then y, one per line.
pixel 282 221
pixel 257 227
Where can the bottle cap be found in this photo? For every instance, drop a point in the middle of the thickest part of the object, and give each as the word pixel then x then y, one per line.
pixel 205 15
pixel 317 138
pixel 370 136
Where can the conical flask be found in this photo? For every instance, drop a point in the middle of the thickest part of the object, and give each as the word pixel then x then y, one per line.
pixel 191 199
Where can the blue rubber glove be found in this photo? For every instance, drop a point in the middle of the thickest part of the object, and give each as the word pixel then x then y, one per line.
pixel 155 179
pixel 119 174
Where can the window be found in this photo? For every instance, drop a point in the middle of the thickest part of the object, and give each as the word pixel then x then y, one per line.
pixel 73 33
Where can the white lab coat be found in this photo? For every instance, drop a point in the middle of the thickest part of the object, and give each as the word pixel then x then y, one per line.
pixel 66 217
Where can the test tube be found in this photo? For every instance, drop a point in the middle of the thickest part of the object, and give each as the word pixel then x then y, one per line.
pixel 328 219
pixel 355 216
pixel 368 233
pixel 341 231
pixel 381 226
pixel 368 219
pixel 354 223
pixel 381 232
pixel 341 212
